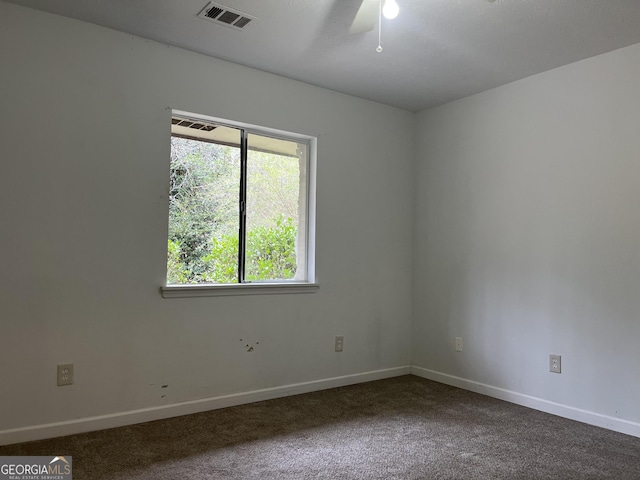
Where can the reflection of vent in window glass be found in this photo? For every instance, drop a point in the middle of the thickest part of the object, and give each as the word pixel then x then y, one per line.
pixel 211 240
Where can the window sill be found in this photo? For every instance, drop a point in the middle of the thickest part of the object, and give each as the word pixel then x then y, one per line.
pixel 184 291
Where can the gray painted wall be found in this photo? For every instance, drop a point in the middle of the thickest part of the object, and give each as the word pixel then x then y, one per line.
pixel 527 237
pixel 84 145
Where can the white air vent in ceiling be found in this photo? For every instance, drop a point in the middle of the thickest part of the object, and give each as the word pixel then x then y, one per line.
pixel 225 16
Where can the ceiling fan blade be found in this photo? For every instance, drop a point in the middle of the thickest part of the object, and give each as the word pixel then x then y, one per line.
pixel 365 19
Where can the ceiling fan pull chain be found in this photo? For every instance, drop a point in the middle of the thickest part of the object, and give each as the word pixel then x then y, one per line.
pixel 379 48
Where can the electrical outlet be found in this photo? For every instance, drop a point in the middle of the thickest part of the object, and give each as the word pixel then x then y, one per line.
pixel 65 374
pixel 555 363
pixel 458 344
pixel 339 343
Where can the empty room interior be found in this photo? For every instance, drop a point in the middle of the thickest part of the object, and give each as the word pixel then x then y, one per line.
pixel 471 231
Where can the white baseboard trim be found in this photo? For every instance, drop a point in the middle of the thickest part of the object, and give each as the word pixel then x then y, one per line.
pixel 584 416
pixel 59 429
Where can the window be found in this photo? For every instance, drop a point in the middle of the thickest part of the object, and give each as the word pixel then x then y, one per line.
pixel 241 209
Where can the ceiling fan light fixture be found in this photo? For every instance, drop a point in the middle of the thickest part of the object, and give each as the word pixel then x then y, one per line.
pixel 390 9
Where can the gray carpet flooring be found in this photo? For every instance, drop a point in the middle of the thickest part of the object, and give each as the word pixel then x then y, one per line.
pixel 400 428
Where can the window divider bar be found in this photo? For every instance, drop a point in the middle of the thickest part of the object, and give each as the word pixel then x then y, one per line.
pixel 242 207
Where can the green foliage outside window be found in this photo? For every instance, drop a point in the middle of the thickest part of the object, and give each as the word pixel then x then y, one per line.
pixel 203 215
pixel 270 254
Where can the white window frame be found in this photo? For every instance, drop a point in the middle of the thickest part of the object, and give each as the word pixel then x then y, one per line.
pixel 309 285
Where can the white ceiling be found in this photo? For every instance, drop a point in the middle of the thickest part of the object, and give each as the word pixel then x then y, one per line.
pixel 435 51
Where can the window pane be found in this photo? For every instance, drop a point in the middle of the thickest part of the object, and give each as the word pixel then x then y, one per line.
pixel 203 210
pixel 276 206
